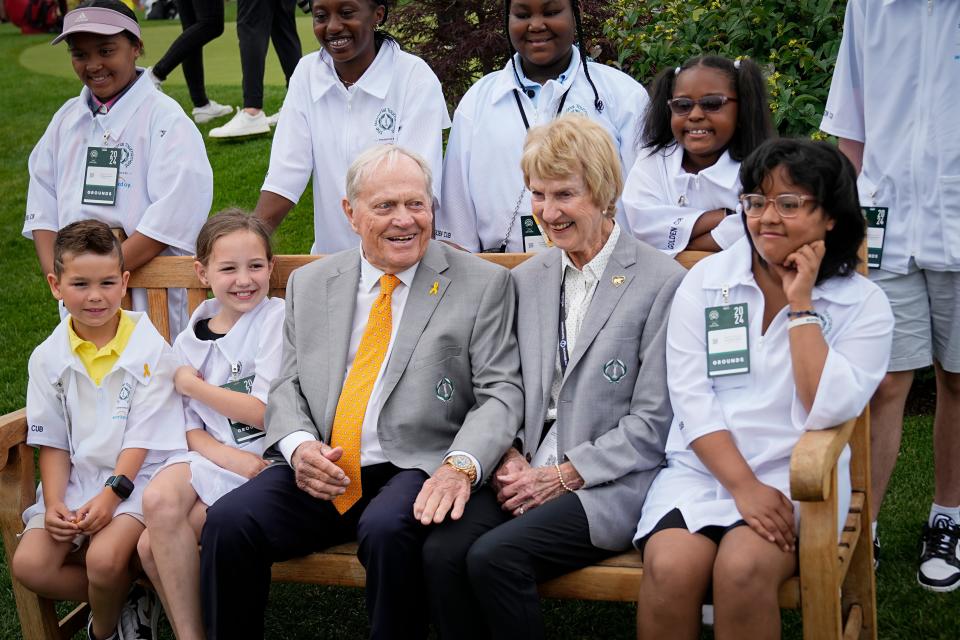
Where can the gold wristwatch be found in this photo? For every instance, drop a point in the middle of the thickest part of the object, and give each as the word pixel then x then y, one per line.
pixel 464 465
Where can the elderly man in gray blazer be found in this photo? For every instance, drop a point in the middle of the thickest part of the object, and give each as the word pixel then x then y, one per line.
pixel 398 393
pixel 591 317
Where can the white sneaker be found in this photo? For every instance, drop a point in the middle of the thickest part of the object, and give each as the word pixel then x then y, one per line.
pixel 242 124
pixel 140 616
pixel 157 82
pixel 209 111
pixel 274 119
pixel 940 556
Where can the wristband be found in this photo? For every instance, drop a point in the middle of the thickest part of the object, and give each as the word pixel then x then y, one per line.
pixel 560 475
pixel 800 314
pixel 799 322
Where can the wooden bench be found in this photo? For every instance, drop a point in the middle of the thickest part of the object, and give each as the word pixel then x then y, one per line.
pixel 835 587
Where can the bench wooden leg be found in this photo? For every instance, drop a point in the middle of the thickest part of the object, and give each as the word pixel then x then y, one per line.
pixel 819 570
pixel 38 616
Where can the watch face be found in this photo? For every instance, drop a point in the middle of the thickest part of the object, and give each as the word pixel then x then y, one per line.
pixel 461 462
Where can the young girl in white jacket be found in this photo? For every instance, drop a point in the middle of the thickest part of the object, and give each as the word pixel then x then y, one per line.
pixel 705 116
pixel 230 353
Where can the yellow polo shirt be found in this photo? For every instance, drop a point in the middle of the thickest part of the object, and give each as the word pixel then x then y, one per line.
pixel 99 362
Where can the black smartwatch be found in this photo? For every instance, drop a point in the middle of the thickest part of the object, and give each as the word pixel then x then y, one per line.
pixel 121 486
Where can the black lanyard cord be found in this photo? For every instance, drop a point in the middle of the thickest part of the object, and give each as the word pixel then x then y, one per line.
pixel 562 333
pixel 526 123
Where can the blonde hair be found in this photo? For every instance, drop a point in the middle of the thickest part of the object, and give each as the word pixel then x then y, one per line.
pixel 575 145
pixel 365 163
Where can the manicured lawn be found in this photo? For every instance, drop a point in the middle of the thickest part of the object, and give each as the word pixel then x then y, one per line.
pixel 29 98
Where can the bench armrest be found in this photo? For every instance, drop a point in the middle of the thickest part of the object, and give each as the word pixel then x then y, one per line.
pixel 13 431
pixel 814 458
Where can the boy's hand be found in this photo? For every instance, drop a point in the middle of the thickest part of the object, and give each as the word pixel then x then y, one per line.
pixel 184 378
pixel 60 523
pixel 244 463
pixel 98 513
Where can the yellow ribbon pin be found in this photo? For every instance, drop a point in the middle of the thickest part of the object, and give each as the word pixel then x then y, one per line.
pixel 435 287
pixel 146 370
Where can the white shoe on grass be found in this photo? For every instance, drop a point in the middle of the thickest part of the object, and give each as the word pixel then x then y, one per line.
pixel 140 616
pixel 242 124
pixel 209 111
pixel 274 119
pixel 940 556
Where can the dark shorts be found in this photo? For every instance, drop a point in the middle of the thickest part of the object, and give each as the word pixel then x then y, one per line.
pixel 674 520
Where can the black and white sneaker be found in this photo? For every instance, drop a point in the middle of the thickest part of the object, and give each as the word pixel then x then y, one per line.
pixel 940 555
pixel 140 616
pixel 115 636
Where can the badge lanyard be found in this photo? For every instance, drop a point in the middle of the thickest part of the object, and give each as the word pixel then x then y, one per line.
pixel 526 125
pixel 562 334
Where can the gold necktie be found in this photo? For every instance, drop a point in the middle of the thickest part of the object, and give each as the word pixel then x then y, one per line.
pixel 352 405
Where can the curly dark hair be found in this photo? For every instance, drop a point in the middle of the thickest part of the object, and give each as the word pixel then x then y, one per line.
pixel 821 169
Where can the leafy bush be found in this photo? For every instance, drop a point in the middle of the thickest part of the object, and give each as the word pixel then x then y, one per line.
pixel 794 41
pixel 463 40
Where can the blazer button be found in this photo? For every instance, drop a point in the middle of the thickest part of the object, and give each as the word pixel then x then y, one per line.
pixel 529 457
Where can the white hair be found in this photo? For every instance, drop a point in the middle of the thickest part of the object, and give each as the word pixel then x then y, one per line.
pixel 371 159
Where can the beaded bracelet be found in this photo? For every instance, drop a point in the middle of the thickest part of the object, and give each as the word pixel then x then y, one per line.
pixel 560 475
pixel 800 314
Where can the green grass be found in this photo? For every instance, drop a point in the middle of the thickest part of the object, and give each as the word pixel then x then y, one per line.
pixel 29 98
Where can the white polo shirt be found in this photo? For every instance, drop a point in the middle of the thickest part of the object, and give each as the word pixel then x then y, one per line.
pixel 324 126
pixel 482 180
pixel 897 73
pixel 662 202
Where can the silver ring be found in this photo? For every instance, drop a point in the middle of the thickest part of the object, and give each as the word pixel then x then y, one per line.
pixel 521 509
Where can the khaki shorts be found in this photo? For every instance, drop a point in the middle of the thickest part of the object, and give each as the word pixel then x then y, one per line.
pixel 926 311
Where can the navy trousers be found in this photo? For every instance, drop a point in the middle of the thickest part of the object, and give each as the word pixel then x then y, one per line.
pixel 269 519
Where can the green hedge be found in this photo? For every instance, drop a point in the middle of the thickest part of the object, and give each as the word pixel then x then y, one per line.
pixel 794 41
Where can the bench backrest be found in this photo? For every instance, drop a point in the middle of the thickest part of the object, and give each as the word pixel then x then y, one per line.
pixel 165 272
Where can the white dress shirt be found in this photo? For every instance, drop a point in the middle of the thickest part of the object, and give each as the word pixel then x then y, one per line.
pixel 897 68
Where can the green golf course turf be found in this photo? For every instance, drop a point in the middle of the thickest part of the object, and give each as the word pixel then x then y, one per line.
pixel 221 57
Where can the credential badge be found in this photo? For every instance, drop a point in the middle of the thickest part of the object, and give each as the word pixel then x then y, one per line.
pixel 614 370
pixel 444 389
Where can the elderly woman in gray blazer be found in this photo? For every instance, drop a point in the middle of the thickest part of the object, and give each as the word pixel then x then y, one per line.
pixel 591 323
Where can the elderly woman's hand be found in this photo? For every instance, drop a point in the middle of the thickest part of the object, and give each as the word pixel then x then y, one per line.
pixel 511 462
pixel 532 487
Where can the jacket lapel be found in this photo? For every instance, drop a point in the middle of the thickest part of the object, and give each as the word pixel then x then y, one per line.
pixel 548 304
pixel 606 297
pixel 422 301
pixel 341 297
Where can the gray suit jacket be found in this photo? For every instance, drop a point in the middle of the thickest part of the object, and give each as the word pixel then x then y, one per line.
pixel 452 381
pixel 614 412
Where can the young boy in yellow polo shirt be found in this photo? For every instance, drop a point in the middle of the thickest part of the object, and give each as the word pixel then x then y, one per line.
pixel 103 411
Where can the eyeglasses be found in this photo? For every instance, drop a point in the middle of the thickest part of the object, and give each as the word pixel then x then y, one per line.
pixel 709 104
pixel 788 205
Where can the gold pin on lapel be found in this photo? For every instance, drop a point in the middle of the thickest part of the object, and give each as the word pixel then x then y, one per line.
pixel 146 370
pixel 435 287
pixel 617 280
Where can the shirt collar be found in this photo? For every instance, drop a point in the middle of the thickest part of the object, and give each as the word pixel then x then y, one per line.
pixel 507 80
pixel 375 80
pixel 734 266
pixel 97 107
pixel 599 262
pixel 370 275
pixel 725 172
pixel 116 119
pixel 114 346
